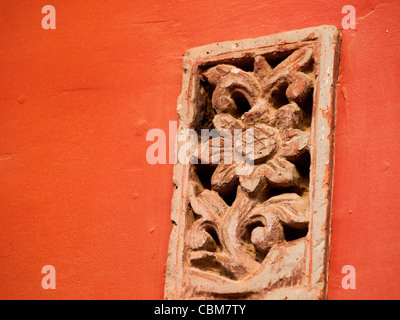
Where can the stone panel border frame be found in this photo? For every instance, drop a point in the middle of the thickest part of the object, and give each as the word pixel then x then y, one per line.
pixel 181 284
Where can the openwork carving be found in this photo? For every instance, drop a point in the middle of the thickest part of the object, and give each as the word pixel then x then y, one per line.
pixel 252 235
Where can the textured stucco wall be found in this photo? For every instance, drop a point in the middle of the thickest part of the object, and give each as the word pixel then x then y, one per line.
pixel 76 190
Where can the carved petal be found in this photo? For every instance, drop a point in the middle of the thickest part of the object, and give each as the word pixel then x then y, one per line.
pixel 264 143
pixel 297 143
pixel 212 151
pixel 281 173
pixel 250 182
pixel 223 121
pixel 224 178
pixel 260 112
pixel 289 209
pixel 289 116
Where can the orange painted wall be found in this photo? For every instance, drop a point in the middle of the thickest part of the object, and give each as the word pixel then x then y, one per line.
pixel 76 191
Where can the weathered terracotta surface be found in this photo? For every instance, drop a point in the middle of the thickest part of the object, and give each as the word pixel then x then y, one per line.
pixel 263 235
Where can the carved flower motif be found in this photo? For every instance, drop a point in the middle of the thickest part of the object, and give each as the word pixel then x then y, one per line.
pixel 278 135
pixel 234 239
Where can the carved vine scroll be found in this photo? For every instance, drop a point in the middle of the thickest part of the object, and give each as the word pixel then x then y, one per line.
pixel 254 235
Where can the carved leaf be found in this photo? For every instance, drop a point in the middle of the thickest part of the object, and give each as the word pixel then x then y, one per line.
pixel 261 68
pixel 200 238
pixel 210 207
pixel 282 72
pixel 260 112
pixel 223 121
pixel 297 60
pixel 208 204
pixel 290 208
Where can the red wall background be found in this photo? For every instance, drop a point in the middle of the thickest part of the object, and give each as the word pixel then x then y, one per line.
pixel 76 191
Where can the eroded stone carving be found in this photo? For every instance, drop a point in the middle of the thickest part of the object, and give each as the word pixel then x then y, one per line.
pixel 251 235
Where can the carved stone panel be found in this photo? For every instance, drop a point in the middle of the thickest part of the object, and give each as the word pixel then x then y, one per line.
pixel 263 233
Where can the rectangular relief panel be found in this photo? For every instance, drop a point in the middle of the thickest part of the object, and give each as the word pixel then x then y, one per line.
pixel 263 233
